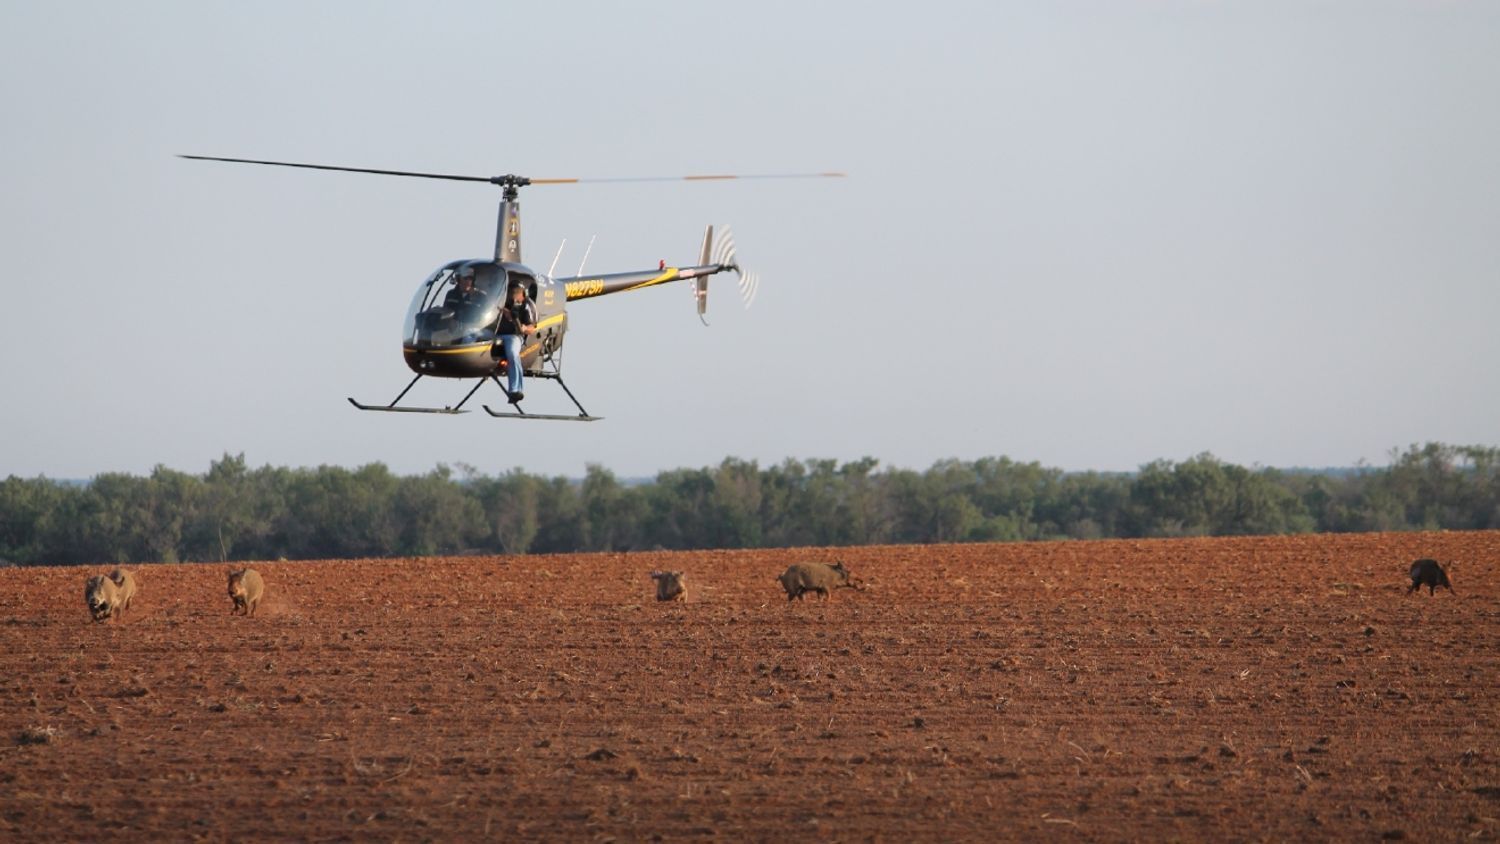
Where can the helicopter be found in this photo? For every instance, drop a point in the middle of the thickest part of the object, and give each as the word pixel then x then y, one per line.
pixel 453 327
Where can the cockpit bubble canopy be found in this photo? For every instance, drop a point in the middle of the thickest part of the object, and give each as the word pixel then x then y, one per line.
pixel 458 305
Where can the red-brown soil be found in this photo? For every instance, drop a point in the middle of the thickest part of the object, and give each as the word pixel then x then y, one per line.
pixel 1280 688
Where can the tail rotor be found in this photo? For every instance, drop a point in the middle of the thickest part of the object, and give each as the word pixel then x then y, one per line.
pixel 722 252
pixel 749 282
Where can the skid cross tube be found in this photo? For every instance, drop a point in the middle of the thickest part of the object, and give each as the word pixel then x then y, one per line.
pixel 403 393
pixel 470 394
pixel 557 376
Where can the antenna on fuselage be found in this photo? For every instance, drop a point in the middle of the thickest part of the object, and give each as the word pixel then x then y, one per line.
pixel 555 257
pixel 586 254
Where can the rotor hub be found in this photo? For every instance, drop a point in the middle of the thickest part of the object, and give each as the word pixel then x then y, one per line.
pixel 510 182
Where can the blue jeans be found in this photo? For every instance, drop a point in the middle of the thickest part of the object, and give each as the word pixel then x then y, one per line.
pixel 511 345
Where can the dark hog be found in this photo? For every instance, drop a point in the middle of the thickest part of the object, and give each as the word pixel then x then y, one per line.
pixel 801 578
pixel 125 585
pixel 102 596
pixel 670 585
pixel 1428 573
pixel 245 589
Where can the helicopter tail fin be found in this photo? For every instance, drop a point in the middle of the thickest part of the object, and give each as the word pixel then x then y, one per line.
pixel 700 288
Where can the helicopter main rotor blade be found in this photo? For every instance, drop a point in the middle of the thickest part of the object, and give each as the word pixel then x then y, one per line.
pixel 447 176
pixel 708 178
pixel 513 180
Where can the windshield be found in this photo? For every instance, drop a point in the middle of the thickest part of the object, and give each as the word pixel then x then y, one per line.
pixel 457 305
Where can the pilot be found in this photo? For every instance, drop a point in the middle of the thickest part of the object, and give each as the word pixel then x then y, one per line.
pixel 464 292
pixel 517 321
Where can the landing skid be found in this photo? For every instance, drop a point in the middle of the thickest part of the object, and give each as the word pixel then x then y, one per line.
pixel 384 409
pixel 392 408
pixel 555 417
pixel 582 416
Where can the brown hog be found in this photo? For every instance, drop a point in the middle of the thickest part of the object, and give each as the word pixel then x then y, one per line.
pixel 125 585
pixel 800 578
pixel 670 585
pixel 245 589
pixel 102 596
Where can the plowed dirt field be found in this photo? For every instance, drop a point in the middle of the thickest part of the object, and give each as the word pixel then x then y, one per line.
pixel 1282 688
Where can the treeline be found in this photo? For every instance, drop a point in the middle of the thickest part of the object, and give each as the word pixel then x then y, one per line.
pixel 236 513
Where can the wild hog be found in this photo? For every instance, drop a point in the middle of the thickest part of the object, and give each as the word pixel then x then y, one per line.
pixel 670 585
pixel 125 584
pixel 1428 573
pixel 245 589
pixel 102 596
pixel 813 577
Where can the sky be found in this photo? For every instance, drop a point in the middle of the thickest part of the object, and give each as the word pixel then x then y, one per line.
pixel 1087 234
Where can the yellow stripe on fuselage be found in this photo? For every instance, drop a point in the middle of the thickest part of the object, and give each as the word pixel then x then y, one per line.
pixel 451 350
pixel 669 275
pixel 467 348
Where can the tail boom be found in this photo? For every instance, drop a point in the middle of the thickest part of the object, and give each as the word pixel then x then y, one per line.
pixel 594 286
